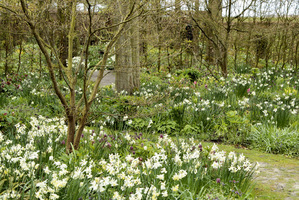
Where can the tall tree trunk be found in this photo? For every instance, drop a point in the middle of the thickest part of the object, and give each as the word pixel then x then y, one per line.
pixel 63 15
pixel 6 68
pixel 127 55
pixel 248 45
pixel 7 43
pixel 195 41
pixel 215 14
pixel 236 53
pixel 123 64
pixel 135 49
pixel 226 41
pixel 296 56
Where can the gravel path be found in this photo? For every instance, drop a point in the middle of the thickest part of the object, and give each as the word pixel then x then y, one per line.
pixel 281 179
pixel 109 77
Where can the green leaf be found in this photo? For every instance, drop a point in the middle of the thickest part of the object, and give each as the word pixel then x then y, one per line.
pixel 1 183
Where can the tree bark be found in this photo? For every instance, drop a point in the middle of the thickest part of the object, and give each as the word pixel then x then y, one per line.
pixel 127 55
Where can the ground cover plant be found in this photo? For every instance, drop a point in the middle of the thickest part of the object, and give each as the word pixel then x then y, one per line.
pixel 240 110
pixel 116 166
pixel 134 146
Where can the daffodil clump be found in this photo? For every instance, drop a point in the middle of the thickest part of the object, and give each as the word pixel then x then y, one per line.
pixel 34 166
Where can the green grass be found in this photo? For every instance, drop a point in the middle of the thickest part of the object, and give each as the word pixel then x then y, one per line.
pixel 278 177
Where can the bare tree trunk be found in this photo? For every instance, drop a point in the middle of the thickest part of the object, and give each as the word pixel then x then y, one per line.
pixel 144 42
pixel 195 41
pixel 127 56
pixel 215 13
pixel 123 62
pixel 226 45
pixel 159 56
pixel 6 68
pixel 63 15
pixel 135 49
pixel 20 55
pixel 236 53
pixel 7 41
pixel 158 19
pixel 296 55
pixel 248 47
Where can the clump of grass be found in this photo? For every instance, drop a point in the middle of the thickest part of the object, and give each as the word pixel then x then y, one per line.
pixel 275 140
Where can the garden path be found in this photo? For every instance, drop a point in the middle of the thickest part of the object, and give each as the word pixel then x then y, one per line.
pixel 282 179
pixel 279 175
pixel 109 77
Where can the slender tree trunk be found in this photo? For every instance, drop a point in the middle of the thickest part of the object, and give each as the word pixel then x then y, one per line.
pixel 144 45
pixel 279 44
pixel 20 55
pixel 158 19
pixel 168 60
pixel 40 63
pixel 6 67
pixel 291 49
pixel 195 41
pixel 63 14
pixel 236 53
pixel 159 57
pixel 248 46
pixel 32 57
pixel 296 55
pixel 226 42
pixel 7 41
pixel 71 130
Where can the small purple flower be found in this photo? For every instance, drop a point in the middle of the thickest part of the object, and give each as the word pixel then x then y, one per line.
pixel 218 180
pixel 63 142
pixel 161 136
pixel 82 136
pixel 108 144
pixel 131 148
pixel 248 90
